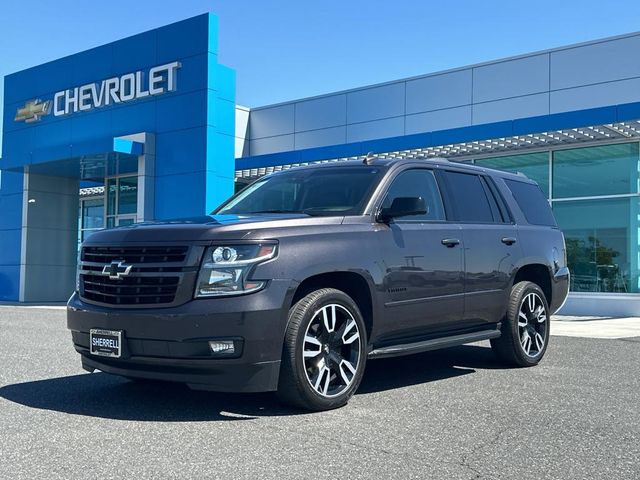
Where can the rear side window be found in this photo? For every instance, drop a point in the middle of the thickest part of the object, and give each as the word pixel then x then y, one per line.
pixel 468 196
pixel 532 202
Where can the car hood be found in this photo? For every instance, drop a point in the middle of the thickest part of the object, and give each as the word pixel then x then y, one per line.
pixel 208 227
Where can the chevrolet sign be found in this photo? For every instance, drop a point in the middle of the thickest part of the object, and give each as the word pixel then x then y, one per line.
pixel 32 111
pixel 111 91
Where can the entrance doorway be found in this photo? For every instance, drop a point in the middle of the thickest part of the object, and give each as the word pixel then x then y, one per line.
pixel 122 201
pixel 110 201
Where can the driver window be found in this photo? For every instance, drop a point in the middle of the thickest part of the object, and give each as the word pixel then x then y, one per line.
pixel 417 183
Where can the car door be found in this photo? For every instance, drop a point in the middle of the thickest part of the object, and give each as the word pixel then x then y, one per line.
pixel 490 244
pixel 422 261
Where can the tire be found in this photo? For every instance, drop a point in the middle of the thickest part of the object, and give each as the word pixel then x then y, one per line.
pixel 323 357
pixel 525 328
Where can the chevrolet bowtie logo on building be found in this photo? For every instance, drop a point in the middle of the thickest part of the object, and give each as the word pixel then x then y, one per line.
pixel 110 91
pixel 32 111
pixel 116 270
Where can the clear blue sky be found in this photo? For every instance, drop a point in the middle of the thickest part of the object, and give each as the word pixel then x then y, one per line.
pixel 283 50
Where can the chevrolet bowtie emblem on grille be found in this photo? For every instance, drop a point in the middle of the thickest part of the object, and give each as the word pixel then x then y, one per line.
pixel 116 270
pixel 32 111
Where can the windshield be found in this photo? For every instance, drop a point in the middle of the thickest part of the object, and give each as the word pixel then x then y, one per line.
pixel 312 191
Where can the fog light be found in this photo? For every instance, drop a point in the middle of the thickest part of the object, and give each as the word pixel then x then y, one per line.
pixel 222 346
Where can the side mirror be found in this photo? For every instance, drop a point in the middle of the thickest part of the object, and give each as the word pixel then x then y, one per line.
pixel 403 207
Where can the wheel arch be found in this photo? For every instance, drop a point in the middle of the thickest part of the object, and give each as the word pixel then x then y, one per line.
pixel 538 273
pixel 354 284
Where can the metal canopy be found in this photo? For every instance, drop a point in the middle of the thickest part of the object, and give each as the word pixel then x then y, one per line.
pixel 494 146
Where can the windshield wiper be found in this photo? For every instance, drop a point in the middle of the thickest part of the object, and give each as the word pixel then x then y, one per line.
pixel 274 210
pixel 322 212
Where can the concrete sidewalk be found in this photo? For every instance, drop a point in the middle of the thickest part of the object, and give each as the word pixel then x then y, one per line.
pixel 595 327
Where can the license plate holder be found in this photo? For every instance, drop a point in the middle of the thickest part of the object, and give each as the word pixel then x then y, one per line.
pixel 105 343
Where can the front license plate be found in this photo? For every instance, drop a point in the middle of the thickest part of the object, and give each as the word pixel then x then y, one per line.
pixel 107 343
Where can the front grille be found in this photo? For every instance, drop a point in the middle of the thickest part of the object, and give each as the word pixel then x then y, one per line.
pixel 130 291
pixel 133 255
pixel 155 276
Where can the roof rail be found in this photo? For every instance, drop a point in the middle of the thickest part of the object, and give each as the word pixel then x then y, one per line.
pixel 440 159
pixel 369 159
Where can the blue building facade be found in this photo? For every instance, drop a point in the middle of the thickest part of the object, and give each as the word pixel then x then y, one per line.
pixel 157 106
pixel 146 128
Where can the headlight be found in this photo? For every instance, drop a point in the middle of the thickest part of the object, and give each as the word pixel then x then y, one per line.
pixel 226 268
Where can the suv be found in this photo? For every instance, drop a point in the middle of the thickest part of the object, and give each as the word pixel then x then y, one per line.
pixel 300 278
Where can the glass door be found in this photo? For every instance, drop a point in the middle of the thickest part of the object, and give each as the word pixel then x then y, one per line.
pixel 122 201
pixel 91 216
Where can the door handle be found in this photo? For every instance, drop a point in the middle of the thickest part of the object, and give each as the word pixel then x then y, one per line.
pixel 450 242
pixel 508 240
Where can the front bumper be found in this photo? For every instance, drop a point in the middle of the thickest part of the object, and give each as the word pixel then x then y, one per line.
pixel 172 343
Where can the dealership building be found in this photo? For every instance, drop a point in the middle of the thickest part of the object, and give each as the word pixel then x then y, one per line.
pixel 147 128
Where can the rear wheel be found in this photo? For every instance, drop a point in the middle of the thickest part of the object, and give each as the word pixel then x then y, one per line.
pixel 324 351
pixel 525 329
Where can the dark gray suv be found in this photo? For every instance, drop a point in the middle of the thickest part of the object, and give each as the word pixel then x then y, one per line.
pixel 294 283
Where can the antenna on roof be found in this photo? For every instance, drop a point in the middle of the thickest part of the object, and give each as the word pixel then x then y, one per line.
pixel 368 160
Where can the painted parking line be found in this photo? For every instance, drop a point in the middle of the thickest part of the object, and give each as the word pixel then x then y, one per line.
pixel 595 327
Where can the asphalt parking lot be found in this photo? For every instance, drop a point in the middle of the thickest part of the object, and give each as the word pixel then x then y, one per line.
pixel 450 414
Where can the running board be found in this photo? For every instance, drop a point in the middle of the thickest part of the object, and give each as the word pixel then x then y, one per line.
pixel 434 344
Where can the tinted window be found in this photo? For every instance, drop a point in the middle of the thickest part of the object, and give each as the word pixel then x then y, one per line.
pixel 469 198
pixel 534 165
pixel 495 198
pixel 417 183
pixel 313 191
pixel 532 202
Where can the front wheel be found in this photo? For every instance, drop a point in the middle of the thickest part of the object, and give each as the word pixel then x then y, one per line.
pixel 324 351
pixel 525 329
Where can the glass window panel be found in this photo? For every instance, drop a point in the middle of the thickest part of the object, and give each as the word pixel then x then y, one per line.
pixel 121 163
pixel 93 213
pixel 325 191
pixel 602 243
pixel 532 202
pixel 111 165
pixel 128 200
pixel 591 171
pixel 127 164
pixel 469 198
pixel 533 165
pixel 417 183
pixel 112 185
